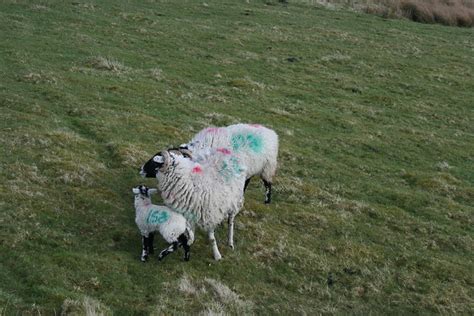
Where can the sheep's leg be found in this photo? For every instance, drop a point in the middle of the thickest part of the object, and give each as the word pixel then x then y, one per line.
pixel 230 234
pixel 215 250
pixel 183 240
pixel 247 183
pixel 145 248
pixel 171 248
pixel 268 191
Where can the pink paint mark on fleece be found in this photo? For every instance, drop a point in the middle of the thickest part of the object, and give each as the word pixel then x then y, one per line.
pixel 197 169
pixel 225 151
pixel 212 129
pixel 256 125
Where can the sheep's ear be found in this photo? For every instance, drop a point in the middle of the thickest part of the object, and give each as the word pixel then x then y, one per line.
pixel 183 146
pixel 136 191
pixel 166 158
pixel 152 191
pixel 186 153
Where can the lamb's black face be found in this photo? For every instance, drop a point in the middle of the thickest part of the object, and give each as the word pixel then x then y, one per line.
pixel 150 168
pixel 143 190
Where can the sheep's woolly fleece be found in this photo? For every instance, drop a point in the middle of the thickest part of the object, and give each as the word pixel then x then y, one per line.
pixel 204 192
pixel 255 146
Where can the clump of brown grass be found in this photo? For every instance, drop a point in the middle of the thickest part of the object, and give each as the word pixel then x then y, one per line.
pixel 446 12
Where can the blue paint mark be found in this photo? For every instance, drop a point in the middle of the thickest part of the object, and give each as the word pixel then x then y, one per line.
pixel 157 217
pixel 254 142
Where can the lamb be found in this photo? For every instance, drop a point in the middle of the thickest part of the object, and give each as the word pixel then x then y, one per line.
pixel 204 192
pixel 254 145
pixel 151 218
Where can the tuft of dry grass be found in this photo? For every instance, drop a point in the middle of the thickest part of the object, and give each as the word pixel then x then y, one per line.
pixel 157 74
pixel 210 296
pixel 105 63
pixel 86 306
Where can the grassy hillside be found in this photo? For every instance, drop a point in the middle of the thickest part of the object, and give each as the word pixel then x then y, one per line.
pixel 374 198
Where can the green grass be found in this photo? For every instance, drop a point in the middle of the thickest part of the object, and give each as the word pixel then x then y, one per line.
pixel 374 197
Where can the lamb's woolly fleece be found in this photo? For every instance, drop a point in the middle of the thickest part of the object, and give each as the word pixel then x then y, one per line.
pixel 204 193
pixel 255 146
pixel 151 218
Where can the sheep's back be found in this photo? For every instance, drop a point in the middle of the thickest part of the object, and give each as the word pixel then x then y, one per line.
pixel 255 146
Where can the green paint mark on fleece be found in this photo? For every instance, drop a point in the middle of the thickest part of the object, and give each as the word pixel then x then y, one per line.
pixel 229 171
pixel 254 142
pixel 235 166
pixel 157 217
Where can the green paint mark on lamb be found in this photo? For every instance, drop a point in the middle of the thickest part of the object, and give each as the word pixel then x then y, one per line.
pixel 157 217
pixel 254 142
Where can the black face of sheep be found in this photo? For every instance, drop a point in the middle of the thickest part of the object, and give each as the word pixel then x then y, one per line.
pixel 151 167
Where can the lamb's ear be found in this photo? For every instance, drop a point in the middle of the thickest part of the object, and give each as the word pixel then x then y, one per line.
pixel 183 146
pixel 152 191
pixel 136 191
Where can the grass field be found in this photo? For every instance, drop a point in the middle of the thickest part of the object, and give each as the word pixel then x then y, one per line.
pixel 374 199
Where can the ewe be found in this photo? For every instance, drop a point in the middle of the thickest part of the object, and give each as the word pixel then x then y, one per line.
pixel 204 192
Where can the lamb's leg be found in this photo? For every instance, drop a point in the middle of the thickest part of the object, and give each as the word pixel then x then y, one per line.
pixel 145 248
pixel 150 249
pixel 215 250
pixel 268 191
pixel 230 234
pixel 183 240
pixel 247 183
pixel 171 248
